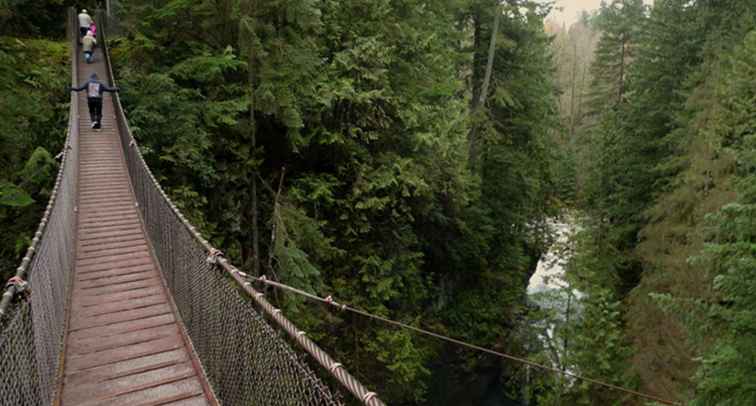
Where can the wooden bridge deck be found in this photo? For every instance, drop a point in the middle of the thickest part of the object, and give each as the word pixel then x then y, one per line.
pixel 125 344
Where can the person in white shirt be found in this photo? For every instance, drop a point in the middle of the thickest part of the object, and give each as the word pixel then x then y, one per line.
pixel 85 20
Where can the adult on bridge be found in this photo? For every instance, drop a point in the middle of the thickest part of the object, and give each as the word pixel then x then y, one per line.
pixel 85 20
pixel 95 88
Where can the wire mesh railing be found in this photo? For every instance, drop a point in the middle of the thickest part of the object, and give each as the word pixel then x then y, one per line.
pixel 33 313
pixel 247 361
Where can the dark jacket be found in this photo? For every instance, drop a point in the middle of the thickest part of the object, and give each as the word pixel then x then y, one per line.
pixel 94 87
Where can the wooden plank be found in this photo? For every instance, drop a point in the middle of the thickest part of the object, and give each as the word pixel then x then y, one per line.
pixel 76 362
pixel 195 401
pixel 92 215
pixel 101 266
pixel 96 344
pixel 127 367
pixel 158 395
pixel 111 220
pixel 120 287
pixel 85 303
pixel 106 198
pixel 114 272
pixel 115 250
pixel 112 388
pixel 114 280
pixel 113 257
pixel 87 322
pixel 123 305
pixel 94 244
pixel 124 270
pixel 120 328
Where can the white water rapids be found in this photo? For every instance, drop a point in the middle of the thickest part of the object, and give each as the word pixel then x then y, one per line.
pixel 549 274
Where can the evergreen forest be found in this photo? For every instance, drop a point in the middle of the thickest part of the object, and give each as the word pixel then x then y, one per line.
pixel 412 157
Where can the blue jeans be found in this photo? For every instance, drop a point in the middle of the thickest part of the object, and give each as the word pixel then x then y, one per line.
pixel 88 56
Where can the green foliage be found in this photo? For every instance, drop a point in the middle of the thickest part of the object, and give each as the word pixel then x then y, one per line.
pixel 662 160
pixel 614 191
pixel 697 179
pixel 36 18
pixel 33 74
pixel 363 105
pixel 581 330
pixel 294 236
pixel 12 195
pixel 405 362
pixel 725 376
pixel 619 22
pixel 601 348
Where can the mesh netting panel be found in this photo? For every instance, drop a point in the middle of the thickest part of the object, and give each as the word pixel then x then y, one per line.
pixel 31 334
pixel 50 276
pixel 246 360
pixel 18 364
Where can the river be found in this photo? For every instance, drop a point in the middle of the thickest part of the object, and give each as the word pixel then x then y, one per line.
pixel 549 273
pixel 547 288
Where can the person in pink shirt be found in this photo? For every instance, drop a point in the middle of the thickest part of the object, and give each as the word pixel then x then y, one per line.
pixel 93 28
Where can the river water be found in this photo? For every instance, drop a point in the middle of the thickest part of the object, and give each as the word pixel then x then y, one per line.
pixel 547 288
pixel 549 274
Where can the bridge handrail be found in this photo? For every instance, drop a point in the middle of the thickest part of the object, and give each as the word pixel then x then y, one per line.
pixel 32 328
pixel 335 369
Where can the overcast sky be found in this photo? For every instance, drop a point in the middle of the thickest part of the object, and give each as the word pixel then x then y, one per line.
pixel 572 8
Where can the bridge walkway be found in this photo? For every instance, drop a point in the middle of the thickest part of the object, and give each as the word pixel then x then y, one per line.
pixel 125 344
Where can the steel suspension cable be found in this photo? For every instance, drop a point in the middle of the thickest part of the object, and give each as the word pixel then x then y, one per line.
pixel 330 301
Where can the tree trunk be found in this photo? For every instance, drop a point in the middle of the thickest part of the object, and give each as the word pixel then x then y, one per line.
pixel 623 43
pixel 253 131
pixel 491 53
pixel 572 95
pixel 481 99
pixel 621 84
pixel 475 81
pixel 275 220
pixel 252 66
pixel 580 94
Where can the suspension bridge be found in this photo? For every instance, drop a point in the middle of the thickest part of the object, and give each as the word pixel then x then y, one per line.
pixel 120 301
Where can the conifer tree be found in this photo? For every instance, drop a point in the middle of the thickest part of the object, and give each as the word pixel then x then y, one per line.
pixel 616 166
pixel 619 22
pixel 658 173
pixel 721 325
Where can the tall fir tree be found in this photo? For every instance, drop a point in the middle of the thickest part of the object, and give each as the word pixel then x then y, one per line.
pixel 619 23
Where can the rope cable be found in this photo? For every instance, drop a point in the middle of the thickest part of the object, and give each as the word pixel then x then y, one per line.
pixel 330 301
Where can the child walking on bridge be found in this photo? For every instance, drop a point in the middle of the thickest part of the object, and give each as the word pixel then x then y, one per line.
pixel 94 88
pixel 88 44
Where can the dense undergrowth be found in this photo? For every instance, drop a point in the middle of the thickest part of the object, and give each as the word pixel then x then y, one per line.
pixel 33 114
